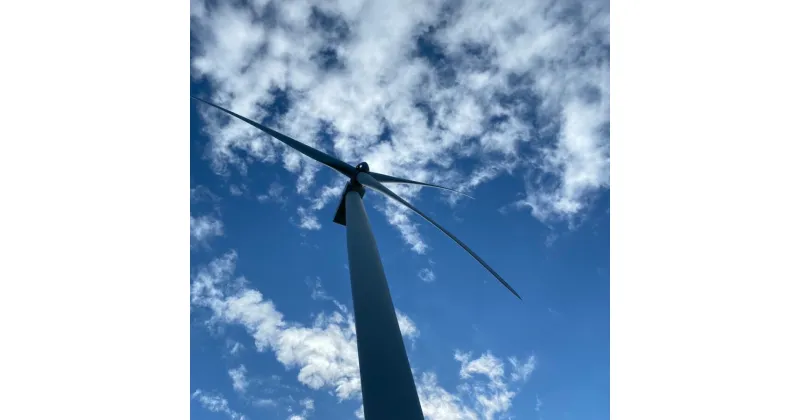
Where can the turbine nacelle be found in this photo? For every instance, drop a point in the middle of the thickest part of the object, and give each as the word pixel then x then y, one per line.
pixel 340 217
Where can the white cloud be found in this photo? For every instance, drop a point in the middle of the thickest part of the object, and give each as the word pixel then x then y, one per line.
pixel 520 86
pixel 265 402
pixel 201 193
pixel 360 413
pixel 483 393
pixel 400 217
pixel 521 371
pixel 307 405
pixel 407 327
pixel 427 275
pixel 205 227
pixel 239 377
pixel 216 403
pixel 325 353
pixel 274 194
pixel 308 220
pixel 439 404
pixel 486 364
pixel 234 347
pixel 550 239
pixel 317 291
pixel 492 396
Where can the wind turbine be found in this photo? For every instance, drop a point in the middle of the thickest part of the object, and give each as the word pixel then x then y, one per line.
pixel 387 384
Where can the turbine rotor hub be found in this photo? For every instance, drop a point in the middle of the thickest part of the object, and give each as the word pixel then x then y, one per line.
pixel 362 167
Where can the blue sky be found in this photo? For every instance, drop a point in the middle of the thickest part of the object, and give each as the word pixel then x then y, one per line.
pixel 507 103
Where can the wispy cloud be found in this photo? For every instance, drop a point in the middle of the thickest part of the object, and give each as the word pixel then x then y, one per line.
pixel 484 392
pixel 492 396
pixel 550 239
pixel 234 347
pixel 407 327
pixel 201 193
pixel 236 190
pixel 307 408
pixel 265 402
pixel 427 275
pixel 308 220
pixel 521 371
pixel 239 377
pixel 459 94
pixel 274 194
pixel 325 353
pixel 204 228
pixel 486 364
pixel 317 291
pixel 216 403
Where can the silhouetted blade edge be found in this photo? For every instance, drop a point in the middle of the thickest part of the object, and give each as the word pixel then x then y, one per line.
pixel 388 178
pixel 318 155
pixel 367 180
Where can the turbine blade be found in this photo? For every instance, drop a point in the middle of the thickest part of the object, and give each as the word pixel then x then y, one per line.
pixel 367 180
pixel 388 178
pixel 318 155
